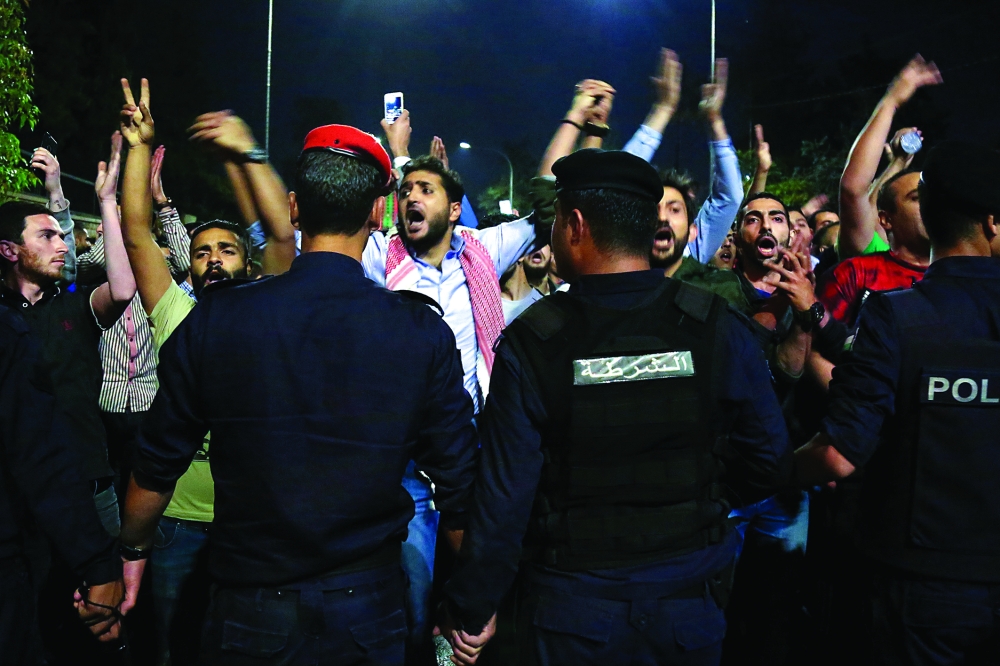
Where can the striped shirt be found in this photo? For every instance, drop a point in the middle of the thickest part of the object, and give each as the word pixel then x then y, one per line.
pixel 129 360
pixel 128 354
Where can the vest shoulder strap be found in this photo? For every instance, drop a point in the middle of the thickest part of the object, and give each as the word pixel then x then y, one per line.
pixel 545 317
pixel 694 302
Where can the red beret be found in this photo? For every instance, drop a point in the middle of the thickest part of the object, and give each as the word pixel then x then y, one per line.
pixel 349 140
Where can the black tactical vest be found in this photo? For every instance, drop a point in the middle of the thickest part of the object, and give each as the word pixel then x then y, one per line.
pixel 931 499
pixel 631 474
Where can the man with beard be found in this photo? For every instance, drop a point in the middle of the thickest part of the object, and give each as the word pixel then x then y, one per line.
pixel 220 250
pixel 676 227
pixel 458 268
pixel 777 284
pixel 69 325
pixel 725 256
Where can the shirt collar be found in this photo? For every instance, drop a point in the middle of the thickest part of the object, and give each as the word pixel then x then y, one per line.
pixel 332 262
pixel 987 268
pixel 16 299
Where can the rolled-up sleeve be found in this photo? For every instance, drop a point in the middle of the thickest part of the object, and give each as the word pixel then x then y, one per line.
pixel 509 472
pixel 718 212
pixel 508 242
pixel 644 143
pixel 862 393
pixel 174 429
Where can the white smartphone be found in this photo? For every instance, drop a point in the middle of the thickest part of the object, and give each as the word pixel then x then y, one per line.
pixel 393 106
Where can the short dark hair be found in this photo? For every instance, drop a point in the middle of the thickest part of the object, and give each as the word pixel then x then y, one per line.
pixel 947 222
pixel 753 197
pixel 886 198
pixel 797 210
pixel 619 221
pixel 242 236
pixel 811 220
pixel 335 192
pixel 452 183
pixel 13 219
pixel 496 219
pixel 686 185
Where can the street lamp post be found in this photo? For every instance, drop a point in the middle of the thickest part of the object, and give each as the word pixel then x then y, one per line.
pixel 267 103
pixel 466 146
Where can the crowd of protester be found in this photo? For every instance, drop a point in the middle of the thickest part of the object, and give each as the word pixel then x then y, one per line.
pixel 93 317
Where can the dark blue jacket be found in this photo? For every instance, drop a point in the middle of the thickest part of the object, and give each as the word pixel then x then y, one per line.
pixel 317 386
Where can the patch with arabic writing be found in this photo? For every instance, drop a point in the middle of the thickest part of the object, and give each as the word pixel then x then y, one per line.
pixel 589 371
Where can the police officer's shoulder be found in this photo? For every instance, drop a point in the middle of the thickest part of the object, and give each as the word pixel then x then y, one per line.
pixel 231 283
pixel 545 317
pixel 908 305
pixel 697 302
pixel 408 296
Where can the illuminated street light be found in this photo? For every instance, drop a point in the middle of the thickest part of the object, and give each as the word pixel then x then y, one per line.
pixel 465 145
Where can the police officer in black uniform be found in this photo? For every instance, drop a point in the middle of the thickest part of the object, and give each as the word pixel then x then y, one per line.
pixel 612 410
pixel 917 403
pixel 318 387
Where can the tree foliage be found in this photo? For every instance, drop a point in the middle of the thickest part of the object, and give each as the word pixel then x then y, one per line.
pixel 816 171
pixel 16 108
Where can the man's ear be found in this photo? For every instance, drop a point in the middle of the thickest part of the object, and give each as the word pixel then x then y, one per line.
pixel 579 229
pixel 375 217
pixel 293 209
pixel 8 250
pixel 456 211
pixel 883 220
pixel 990 228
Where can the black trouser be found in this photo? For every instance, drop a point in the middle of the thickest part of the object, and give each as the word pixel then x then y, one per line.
pixel 20 643
pixel 350 620
pixel 921 621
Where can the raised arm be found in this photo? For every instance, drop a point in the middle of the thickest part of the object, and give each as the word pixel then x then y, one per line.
pixel 759 183
pixel 899 161
pixel 667 84
pixel 564 140
pixel 858 218
pixel 111 298
pixel 170 220
pixel 230 135
pixel 152 276
pixel 597 115
pixel 58 205
pixel 718 213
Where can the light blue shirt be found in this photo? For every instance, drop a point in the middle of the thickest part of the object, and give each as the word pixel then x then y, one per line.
pixel 513 309
pixel 506 243
pixel 718 213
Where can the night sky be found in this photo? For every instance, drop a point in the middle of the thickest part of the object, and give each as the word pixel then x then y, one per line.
pixel 497 73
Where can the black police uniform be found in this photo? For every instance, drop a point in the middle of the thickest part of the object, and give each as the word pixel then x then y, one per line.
pixel 318 387
pixel 611 410
pixel 40 477
pixel 917 402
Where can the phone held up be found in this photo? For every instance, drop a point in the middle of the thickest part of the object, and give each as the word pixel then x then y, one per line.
pixel 51 145
pixel 393 106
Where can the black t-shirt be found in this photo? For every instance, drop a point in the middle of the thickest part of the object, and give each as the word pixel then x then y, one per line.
pixel 66 326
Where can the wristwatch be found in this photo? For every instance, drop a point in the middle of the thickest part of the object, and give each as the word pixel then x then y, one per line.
pixel 130 554
pixel 257 155
pixel 811 318
pixel 166 203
